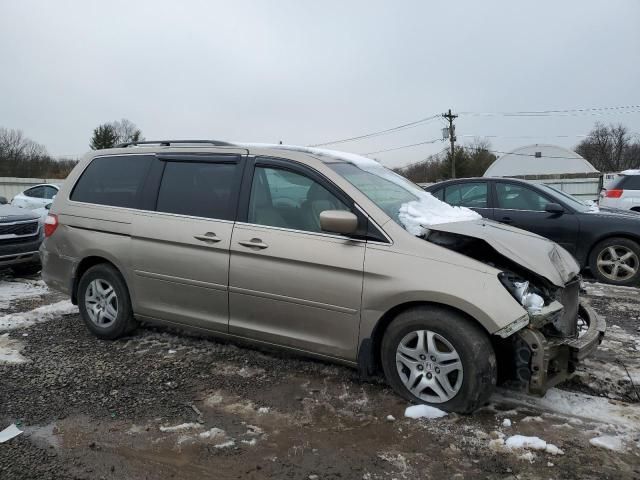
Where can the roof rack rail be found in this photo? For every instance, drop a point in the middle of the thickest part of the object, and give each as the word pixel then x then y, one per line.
pixel 167 143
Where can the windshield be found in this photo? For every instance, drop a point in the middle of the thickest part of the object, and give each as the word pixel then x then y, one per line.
pixel 388 195
pixel 566 198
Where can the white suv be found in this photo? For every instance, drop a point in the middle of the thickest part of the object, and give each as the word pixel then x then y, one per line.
pixel 623 192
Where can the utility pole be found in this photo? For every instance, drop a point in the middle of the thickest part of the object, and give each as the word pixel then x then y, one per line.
pixel 452 139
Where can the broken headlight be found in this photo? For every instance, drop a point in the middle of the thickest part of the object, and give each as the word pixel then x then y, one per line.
pixel 525 293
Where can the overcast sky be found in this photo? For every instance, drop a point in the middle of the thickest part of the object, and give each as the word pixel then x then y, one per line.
pixel 306 72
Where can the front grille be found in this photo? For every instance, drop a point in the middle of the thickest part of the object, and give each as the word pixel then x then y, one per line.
pixel 570 299
pixel 19 229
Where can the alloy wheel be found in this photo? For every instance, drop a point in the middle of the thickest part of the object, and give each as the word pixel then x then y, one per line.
pixel 101 303
pixel 617 263
pixel 429 366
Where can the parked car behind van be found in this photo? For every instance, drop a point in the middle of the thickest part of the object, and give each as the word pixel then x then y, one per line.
pixel 604 240
pixel 37 196
pixel 21 233
pixel 322 253
pixel 623 192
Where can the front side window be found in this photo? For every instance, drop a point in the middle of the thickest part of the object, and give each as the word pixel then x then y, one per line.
pixel 198 189
pixel 114 181
pixel 472 195
pixel 35 192
pixel 517 197
pixel 285 199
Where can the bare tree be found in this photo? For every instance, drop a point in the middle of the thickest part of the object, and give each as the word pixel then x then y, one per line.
pixel 127 131
pixel 22 157
pixel 610 148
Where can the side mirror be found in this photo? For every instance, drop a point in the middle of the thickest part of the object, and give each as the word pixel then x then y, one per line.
pixel 554 208
pixel 338 221
pixel 48 206
pixel 3 201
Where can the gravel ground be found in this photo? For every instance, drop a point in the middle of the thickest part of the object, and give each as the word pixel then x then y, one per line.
pixel 167 404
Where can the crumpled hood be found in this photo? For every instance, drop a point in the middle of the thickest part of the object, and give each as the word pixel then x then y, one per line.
pixel 9 213
pixel 531 251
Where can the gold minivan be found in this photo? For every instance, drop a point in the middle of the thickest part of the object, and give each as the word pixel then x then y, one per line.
pixel 323 253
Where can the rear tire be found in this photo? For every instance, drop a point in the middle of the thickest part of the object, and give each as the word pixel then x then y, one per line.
pixel 616 261
pixel 26 269
pixel 104 302
pixel 454 347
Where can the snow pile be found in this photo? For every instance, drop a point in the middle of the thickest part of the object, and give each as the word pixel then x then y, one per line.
pixel 213 433
pixel 181 428
pixel 631 172
pixel 40 314
pixel 521 442
pixel 609 442
pixel 424 411
pixel 428 210
pixel 506 422
pixel 10 350
pixel 12 291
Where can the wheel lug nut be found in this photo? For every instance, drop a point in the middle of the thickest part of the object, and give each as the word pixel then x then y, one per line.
pixel 420 367
pixel 429 375
pixel 437 370
pixel 433 359
pixel 422 357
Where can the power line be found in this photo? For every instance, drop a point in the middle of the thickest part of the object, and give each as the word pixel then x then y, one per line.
pixel 564 112
pixel 425 159
pixel 381 132
pixel 403 146
pixel 526 154
pixel 525 136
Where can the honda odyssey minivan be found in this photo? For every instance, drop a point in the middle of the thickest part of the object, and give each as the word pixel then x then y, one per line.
pixel 323 253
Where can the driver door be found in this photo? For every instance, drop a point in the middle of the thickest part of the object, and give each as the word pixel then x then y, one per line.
pixel 290 283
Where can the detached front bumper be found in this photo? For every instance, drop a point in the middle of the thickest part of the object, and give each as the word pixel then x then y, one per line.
pixel 554 360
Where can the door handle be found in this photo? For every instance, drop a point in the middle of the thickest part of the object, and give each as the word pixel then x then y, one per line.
pixel 207 237
pixel 506 220
pixel 254 243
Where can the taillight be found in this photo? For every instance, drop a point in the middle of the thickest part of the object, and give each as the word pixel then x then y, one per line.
pixel 613 193
pixel 50 224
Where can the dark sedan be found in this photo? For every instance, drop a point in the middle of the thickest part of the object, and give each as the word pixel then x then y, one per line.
pixel 606 241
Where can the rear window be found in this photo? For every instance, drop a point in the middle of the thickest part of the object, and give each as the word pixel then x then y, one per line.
pixel 114 181
pixel 199 189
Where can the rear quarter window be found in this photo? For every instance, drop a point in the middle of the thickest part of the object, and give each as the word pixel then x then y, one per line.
pixel 114 181
pixel 631 182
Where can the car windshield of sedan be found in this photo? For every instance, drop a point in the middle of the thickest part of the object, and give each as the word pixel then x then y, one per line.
pixel 566 198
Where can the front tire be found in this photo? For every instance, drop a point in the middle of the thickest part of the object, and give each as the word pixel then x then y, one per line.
pixel 104 303
pixel 616 261
pixel 438 357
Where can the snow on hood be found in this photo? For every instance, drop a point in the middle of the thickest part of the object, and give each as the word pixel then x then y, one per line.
pixel 418 215
pixel 631 172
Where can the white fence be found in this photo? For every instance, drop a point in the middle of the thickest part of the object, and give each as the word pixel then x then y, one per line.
pixel 10 186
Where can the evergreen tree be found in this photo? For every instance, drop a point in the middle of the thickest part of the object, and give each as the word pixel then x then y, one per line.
pixel 104 136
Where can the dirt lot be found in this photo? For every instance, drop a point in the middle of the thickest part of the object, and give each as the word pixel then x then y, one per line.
pixel 164 404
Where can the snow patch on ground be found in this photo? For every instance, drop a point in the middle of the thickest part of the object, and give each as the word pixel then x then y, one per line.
pixel 181 428
pixel 40 314
pixel 12 291
pixel 10 350
pixel 424 411
pixel 570 404
pixel 610 442
pixel 522 442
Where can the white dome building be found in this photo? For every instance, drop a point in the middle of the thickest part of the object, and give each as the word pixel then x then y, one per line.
pixel 539 160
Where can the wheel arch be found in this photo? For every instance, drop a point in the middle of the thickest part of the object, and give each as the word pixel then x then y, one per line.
pixel 369 349
pixel 607 236
pixel 84 265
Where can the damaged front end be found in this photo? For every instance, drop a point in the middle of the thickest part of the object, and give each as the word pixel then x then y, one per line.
pixel 544 346
pixel 560 331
